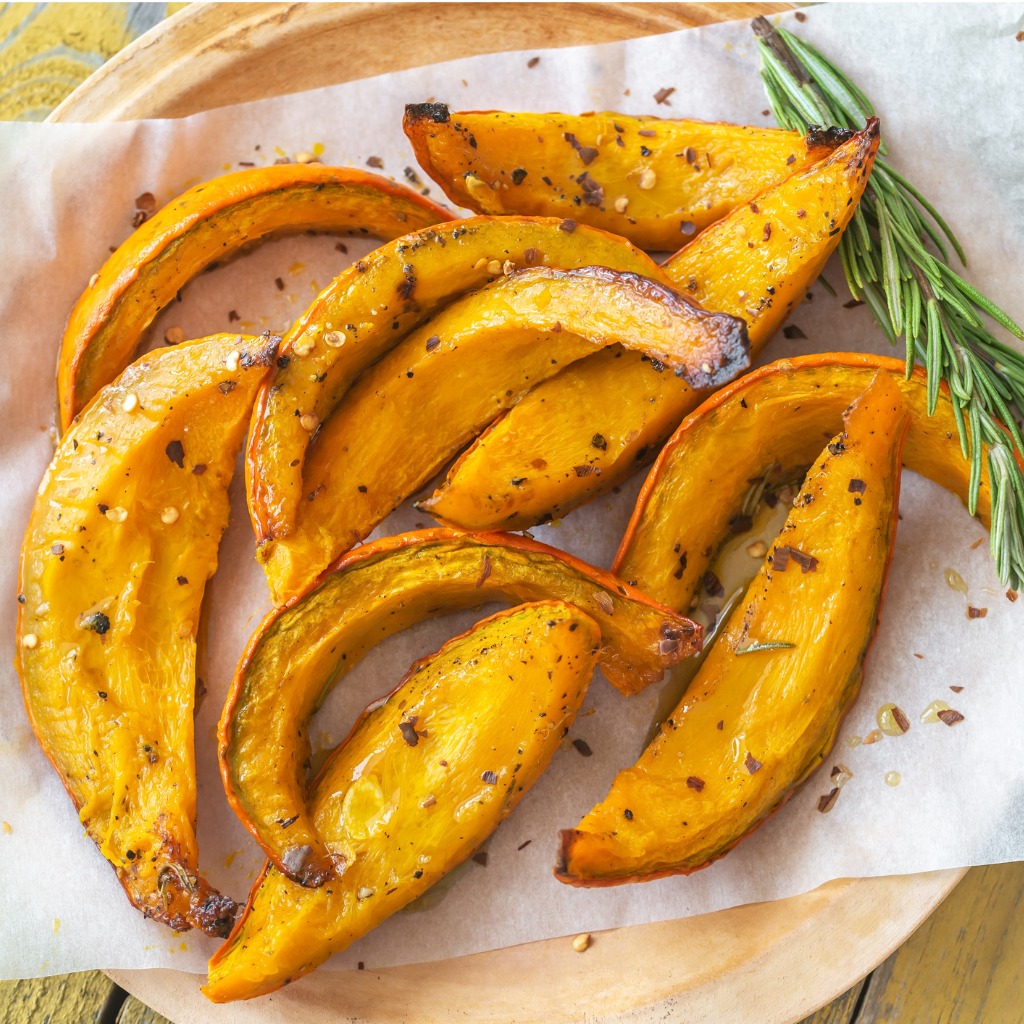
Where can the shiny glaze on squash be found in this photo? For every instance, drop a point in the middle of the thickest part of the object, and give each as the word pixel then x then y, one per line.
pixel 208 224
pixel 655 182
pixel 777 417
pixel 122 539
pixel 370 307
pixel 448 379
pixel 598 420
pixel 422 781
pixel 301 651
pixel 764 708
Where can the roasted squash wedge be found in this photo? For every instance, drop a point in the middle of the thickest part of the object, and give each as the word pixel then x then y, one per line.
pixel 449 378
pixel 765 707
pixel 595 422
pixel 654 182
pixel 691 492
pixel 207 224
pixel 301 651
pixel 122 539
pixel 424 778
pixel 370 307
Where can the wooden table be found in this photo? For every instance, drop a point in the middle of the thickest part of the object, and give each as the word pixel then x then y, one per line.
pixel 966 963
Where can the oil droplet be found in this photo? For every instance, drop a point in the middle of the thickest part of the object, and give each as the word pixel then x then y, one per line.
pixel 230 858
pixel 56 925
pixel 931 713
pixel 955 581
pixel 298 268
pixel 363 808
pixel 854 741
pixel 891 720
pixel 318 149
pixel 892 778
pixel 7 828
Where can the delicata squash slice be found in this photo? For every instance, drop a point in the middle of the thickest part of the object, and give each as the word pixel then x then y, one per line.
pixel 370 307
pixel 302 650
pixel 654 182
pixel 691 492
pixel 424 778
pixel 449 378
pixel 588 428
pixel 122 539
pixel 207 224
pixel 765 707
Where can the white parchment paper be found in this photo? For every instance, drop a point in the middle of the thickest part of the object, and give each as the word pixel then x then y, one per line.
pixel 947 81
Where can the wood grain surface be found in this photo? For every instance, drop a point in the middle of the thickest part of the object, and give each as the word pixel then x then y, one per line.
pixel 966 962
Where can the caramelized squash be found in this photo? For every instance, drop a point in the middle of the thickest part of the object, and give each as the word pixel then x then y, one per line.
pixel 691 492
pixel 373 305
pixel 207 224
pixel 595 422
pixel 422 781
pixel 765 707
pixel 654 182
pixel 122 540
pixel 449 378
pixel 302 650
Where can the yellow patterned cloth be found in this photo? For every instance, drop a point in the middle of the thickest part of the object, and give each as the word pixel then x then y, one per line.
pixel 47 50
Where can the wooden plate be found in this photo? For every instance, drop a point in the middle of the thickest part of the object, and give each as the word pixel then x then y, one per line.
pixel 777 960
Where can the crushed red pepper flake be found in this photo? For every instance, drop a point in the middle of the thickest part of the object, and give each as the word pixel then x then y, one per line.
pixel 767 230
pixel 956 689
pixel 490 778
pixel 694 782
pixel 568 226
pixel 409 734
pixel 484 573
pixel 950 717
pixel 827 802
pixel 533 62
pixel 583 747
pixel 857 486
pixel 375 161
pixel 976 613
pixel 279 284
pixel 662 95
pixel 752 764
pixel 480 858
pixel 713 585
pixel 1011 596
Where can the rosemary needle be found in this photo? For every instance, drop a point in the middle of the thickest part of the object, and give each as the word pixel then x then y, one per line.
pixel 895 256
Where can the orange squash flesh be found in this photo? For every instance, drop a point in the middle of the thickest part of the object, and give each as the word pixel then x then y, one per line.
pixel 692 492
pixel 373 305
pixel 381 588
pixel 423 779
pixel 449 378
pixel 208 224
pixel 122 538
pixel 610 410
pixel 654 182
pixel 757 718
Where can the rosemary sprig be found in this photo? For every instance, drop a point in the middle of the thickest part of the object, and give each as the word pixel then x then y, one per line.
pixel 895 255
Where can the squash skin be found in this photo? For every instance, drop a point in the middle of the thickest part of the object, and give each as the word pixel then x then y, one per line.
pixel 374 592
pixel 207 224
pixel 616 397
pixel 677 176
pixel 753 725
pixel 691 492
pixel 110 605
pixel 373 305
pixel 449 378
pixel 422 780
